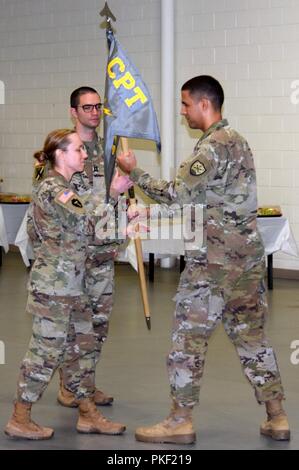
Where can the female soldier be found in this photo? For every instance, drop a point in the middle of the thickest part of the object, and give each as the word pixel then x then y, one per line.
pixel 61 315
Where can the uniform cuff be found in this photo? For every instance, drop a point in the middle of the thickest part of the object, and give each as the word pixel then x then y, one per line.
pixel 135 174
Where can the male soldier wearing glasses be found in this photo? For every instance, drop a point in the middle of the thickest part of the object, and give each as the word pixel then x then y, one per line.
pixel 86 109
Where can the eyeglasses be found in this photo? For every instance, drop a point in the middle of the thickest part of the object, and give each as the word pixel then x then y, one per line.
pixel 88 108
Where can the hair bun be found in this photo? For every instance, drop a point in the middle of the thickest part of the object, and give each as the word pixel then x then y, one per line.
pixel 41 156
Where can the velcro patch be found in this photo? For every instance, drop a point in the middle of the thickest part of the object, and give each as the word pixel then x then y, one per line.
pixel 197 168
pixel 65 196
pixel 77 203
pixel 38 172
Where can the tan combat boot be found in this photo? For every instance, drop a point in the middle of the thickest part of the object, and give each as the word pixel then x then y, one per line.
pixel 101 399
pixel 21 426
pixel 92 421
pixel 68 399
pixel 65 397
pixel 177 428
pixel 276 426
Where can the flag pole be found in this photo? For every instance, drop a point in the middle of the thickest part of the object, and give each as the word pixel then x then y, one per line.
pixel 126 100
pixel 106 12
pixel 138 247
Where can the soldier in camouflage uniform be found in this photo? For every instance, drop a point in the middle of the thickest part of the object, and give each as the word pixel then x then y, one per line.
pixel 62 317
pixel 224 278
pixel 99 274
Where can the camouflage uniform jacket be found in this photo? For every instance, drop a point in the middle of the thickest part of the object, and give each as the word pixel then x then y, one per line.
pixel 90 184
pixel 92 181
pixel 62 225
pixel 220 176
pixel 41 172
pixel 93 174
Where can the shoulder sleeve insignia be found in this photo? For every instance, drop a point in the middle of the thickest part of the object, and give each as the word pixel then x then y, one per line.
pixel 197 168
pixel 77 203
pixel 39 171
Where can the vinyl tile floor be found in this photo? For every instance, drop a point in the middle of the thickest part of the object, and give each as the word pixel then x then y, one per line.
pixel 133 369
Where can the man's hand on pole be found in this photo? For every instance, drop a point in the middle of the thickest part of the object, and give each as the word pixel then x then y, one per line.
pixel 127 161
pixel 119 184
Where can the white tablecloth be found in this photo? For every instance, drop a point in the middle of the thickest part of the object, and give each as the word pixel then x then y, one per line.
pixel 12 217
pixel 277 235
pixel 22 241
pixel 3 233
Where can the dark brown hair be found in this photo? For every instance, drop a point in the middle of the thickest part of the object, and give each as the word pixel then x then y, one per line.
pixel 83 90
pixel 204 86
pixel 56 140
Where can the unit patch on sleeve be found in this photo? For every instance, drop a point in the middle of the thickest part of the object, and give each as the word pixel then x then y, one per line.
pixel 197 168
pixel 39 171
pixel 77 203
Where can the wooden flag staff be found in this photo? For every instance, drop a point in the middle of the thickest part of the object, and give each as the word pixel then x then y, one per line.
pixel 154 135
pixel 138 247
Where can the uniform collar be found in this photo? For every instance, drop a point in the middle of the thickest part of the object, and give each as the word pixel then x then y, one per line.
pixel 217 125
pixel 93 142
pixel 92 147
pixel 59 176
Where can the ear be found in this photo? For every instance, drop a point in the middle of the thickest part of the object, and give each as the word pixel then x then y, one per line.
pixel 59 154
pixel 73 113
pixel 205 104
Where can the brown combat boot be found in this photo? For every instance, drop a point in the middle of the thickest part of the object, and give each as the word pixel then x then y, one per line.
pixel 21 426
pixel 276 426
pixel 177 428
pixel 65 397
pixel 68 399
pixel 101 399
pixel 92 421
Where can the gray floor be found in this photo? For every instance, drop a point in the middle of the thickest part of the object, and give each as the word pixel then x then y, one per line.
pixel 133 369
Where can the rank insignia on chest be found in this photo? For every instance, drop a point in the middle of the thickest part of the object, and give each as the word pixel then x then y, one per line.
pixel 197 168
pixel 96 171
pixel 77 203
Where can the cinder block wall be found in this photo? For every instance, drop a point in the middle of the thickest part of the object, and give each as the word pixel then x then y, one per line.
pixel 49 47
pixel 252 47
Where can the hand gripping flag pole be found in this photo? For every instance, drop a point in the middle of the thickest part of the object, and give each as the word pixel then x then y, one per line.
pixel 128 112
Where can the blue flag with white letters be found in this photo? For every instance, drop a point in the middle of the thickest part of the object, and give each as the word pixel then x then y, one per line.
pixel 128 107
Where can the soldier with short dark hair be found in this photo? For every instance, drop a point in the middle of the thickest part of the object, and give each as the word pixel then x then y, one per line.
pixel 86 110
pixel 224 278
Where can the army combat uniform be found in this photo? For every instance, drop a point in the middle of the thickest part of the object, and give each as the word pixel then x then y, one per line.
pixel 224 278
pixel 99 269
pixel 62 318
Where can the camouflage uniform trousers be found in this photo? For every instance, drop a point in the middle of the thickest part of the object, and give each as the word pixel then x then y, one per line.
pixel 99 284
pixel 236 296
pixel 62 328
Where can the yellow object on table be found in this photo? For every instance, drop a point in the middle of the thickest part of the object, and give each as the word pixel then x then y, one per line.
pixel 269 211
pixel 11 198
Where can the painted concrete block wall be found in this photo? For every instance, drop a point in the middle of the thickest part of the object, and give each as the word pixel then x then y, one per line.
pixel 49 47
pixel 252 47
